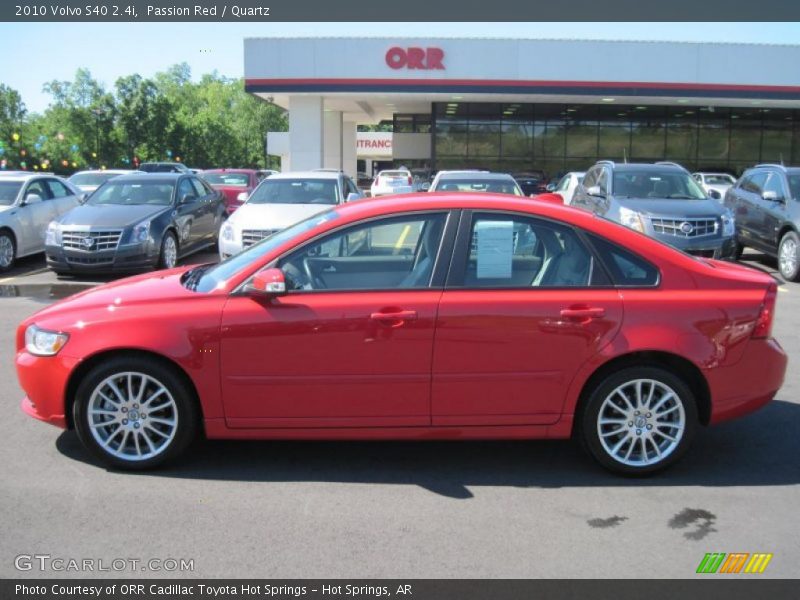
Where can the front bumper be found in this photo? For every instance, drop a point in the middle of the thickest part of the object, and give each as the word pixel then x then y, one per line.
pixel 44 380
pixel 128 257
pixel 707 247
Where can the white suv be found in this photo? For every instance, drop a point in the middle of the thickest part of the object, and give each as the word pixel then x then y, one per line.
pixel 28 202
pixel 281 200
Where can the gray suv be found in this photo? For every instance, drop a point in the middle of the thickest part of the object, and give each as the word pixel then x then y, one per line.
pixel 766 204
pixel 661 200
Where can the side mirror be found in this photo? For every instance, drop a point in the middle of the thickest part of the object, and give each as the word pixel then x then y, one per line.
pixel 82 198
pixel 595 191
pixel 242 197
pixel 771 196
pixel 714 194
pixel 188 198
pixel 32 199
pixel 425 186
pixel 551 187
pixel 268 283
pixel 353 196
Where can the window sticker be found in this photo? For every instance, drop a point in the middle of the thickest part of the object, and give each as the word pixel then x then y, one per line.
pixel 495 244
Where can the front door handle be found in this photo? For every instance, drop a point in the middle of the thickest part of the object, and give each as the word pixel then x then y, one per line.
pixel 583 313
pixel 398 315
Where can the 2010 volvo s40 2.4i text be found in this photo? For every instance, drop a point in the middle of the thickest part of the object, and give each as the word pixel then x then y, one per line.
pixel 436 316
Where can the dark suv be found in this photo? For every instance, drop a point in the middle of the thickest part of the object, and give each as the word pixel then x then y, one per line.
pixel 765 204
pixel 660 200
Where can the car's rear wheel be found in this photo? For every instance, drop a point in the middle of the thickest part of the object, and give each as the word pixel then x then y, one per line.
pixel 134 412
pixel 639 420
pixel 8 251
pixel 168 257
pixel 788 257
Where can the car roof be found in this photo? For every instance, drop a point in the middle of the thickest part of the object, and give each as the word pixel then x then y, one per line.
pixel 141 177
pixel 306 175
pixel 92 171
pixel 23 176
pixel 475 175
pixel 224 170
pixel 648 167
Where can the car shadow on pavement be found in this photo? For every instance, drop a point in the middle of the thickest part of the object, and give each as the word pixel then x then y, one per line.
pixel 759 450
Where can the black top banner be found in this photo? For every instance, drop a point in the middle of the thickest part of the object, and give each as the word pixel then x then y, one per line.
pixel 407 10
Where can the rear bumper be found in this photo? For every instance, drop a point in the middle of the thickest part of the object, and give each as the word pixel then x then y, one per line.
pixel 750 383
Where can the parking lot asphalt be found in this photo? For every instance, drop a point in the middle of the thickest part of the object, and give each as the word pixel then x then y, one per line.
pixel 384 509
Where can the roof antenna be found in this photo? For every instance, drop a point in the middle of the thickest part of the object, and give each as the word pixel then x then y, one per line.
pixel 625 155
pixel 781 155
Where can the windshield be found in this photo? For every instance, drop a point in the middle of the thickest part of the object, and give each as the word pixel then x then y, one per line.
pixel 156 193
pixel 91 178
pixel 719 180
pixel 8 192
pixel 497 186
pixel 656 183
pixel 794 185
pixel 295 191
pixel 232 179
pixel 209 278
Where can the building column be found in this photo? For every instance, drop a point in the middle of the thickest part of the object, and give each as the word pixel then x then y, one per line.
pixel 305 132
pixel 349 165
pixel 332 139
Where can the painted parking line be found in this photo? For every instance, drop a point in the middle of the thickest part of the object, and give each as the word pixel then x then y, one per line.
pixel 783 289
pixel 27 274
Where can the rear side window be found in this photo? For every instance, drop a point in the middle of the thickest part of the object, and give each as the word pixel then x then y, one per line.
pixel 625 268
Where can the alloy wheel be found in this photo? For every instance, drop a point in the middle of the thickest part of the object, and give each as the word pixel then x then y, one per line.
pixel 170 252
pixel 787 258
pixel 132 416
pixel 641 422
pixel 6 251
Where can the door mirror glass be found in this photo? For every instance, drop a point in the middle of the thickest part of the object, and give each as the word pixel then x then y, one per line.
pixel 551 187
pixel 353 196
pixel 595 191
pixel 771 196
pixel 714 194
pixel 82 198
pixel 188 198
pixel 268 283
pixel 242 197
pixel 32 199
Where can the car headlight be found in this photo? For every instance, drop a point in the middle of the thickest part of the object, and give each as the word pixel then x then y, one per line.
pixel 53 235
pixel 141 233
pixel 228 234
pixel 42 342
pixel 728 225
pixel 631 218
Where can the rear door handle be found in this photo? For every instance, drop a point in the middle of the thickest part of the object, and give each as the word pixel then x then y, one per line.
pixel 583 313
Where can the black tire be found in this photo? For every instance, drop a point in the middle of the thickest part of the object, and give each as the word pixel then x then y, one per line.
pixel 738 250
pixel 789 269
pixel 638 437
pixel 6 237
pixel 185 411
pixel 162 258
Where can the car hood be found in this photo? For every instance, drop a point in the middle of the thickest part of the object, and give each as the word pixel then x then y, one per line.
pixel 274 216
pixel 110 215
pixel 673 208
pixel 148 288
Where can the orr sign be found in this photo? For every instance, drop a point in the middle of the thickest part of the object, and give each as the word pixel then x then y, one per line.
pixel 414 58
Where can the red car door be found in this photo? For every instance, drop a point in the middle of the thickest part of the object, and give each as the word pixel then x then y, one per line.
pixel 523 310
pixel 351 345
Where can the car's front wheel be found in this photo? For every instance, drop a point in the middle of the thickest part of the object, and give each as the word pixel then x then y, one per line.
pixel 639 420
pixel 8 251
pixel 788 257
pixel 168 256
pixel 134 412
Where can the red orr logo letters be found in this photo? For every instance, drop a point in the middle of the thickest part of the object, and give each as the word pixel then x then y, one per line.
pixel 425 59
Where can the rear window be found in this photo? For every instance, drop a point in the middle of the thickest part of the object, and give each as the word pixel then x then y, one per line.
pixel 395 174
pixel 625 268
pixel 232 179
pixel 494 186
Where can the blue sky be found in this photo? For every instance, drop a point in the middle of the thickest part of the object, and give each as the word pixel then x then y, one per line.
pixel 38 52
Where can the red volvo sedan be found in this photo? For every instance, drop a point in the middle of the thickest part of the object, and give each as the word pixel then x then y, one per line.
pixel 431 316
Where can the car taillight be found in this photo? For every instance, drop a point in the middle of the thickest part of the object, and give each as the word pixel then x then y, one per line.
pixel 766 315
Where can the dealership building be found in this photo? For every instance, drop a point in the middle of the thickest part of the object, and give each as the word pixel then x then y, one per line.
pixel 519 105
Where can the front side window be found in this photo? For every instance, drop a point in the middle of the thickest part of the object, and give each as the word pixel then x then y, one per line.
pixel 755 183
pixel 519 252
pixel 563 184
pixel 296 191
pixel 397 253
pixel 38 188
pixel 775 184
